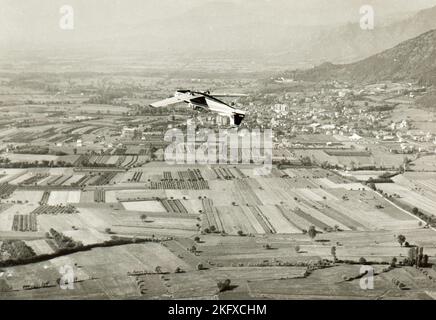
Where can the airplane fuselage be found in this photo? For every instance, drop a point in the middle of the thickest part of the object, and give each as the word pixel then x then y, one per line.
pixel 204 100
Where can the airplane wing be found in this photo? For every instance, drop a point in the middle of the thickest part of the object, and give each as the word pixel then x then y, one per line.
pixel 229 95
pixel 165 102
pixel 205 101
pixel 170 101
pixel 219 106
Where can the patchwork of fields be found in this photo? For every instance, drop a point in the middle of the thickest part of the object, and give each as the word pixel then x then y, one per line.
pixel 413 190
pixel 283 202
pixel 249 226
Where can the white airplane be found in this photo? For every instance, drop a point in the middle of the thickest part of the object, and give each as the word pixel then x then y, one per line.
pixel 204 100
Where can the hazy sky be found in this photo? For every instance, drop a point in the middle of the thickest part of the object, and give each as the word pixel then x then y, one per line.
pixel 35 23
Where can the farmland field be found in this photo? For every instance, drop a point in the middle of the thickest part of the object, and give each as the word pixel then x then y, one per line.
pixel 249 227
pixel 420 194
pixel 40 246
pixel 27 196
pixel 63 197
pixel 146 206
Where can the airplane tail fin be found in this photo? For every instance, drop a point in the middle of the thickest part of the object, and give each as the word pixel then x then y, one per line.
pixel 237 118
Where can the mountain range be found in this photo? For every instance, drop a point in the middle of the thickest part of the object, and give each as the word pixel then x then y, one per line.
pixel 273 37
pixel 279 32
pixel 348 43
pixel 411 60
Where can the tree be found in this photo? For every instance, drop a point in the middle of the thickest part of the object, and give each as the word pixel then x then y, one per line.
pixel 362 260
pixel 401 239
pixel 297 248
pixel 200 266
pixel 197 239
pixel 393 262
pixel 143 217
pixel 412 255
pixel 312 232
pixel 223 285
pixel 419 256
pixel 333 252
pixel 306 161
pixel 158 269
pixel 415 211
pixel 425 261
pixel 108 230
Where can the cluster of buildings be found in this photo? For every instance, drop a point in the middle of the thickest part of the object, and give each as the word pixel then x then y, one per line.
pixel 336 109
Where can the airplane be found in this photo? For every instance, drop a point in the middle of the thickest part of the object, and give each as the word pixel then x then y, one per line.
pixel 205 101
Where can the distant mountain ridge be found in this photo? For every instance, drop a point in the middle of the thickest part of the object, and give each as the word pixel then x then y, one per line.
pixel 411 60
pixel 348 43
pixel 263 34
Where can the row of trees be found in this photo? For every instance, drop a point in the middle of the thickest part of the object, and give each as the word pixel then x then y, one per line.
pixel 64 242
pixel 6 163
pixel 16 250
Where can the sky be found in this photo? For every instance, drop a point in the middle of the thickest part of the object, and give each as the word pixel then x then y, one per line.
pixel 34 24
